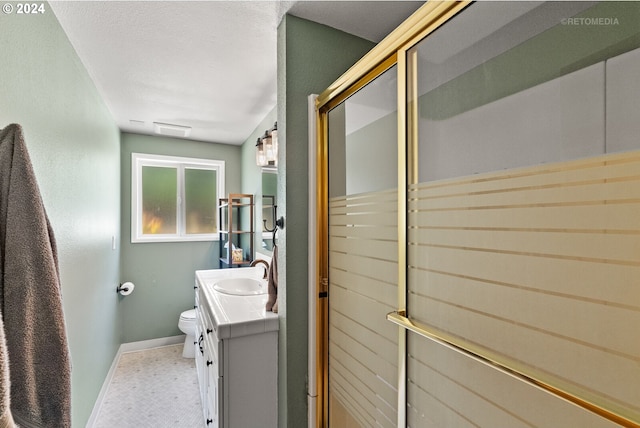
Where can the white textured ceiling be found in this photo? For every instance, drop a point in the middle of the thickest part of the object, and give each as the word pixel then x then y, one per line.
pixel 208 65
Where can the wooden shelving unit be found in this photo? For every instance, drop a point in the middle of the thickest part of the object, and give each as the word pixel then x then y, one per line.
pixel 236 229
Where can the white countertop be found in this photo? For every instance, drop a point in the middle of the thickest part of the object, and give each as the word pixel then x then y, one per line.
pixel 235 316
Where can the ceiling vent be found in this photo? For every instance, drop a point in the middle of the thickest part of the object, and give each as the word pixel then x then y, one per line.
pixel 171 130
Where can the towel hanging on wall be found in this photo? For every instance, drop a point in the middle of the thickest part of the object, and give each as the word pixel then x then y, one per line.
pixel 272 281
pixel 35 341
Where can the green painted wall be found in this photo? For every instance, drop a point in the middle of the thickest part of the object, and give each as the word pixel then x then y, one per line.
pixel 74 146
pixel 164 273
pixel 310 57
pixel 252 173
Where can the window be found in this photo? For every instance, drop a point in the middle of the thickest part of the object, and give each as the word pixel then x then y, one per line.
pixel 174 198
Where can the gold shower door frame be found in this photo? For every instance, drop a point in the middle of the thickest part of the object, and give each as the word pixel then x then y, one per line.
pixel 391 51
pixel 394 50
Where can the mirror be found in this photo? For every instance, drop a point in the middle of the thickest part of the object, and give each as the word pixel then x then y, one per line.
pixel 269 201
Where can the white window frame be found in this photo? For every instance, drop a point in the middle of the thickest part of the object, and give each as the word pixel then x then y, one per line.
pixel 138 160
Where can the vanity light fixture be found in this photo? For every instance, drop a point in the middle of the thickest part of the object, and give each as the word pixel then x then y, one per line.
pixel 271 145
pixel 267 147
pixel 261 158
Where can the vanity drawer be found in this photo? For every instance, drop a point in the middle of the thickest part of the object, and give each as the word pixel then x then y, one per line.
pixel 214 349
pixel 209 341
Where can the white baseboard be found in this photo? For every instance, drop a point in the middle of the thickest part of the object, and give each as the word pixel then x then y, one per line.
pixel 152 343
pixel 123 349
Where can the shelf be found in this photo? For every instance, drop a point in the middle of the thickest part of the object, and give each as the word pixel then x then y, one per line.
pixel 235 215
pixel 235 205
pixel 230 263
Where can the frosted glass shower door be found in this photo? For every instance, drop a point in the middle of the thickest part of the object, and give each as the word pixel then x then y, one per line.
pixel 523 262
pixel 363 261
pixel 506 244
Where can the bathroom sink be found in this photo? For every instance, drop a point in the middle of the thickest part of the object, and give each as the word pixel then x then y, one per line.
pixel 240 286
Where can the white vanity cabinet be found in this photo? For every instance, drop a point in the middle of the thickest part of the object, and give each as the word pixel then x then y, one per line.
pixel 236 357
pixel 207 364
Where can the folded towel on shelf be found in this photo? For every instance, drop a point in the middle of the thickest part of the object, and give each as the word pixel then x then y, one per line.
pixel 272 282
pixel 35 341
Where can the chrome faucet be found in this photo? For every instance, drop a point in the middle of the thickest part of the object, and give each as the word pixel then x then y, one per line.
pixel 266 266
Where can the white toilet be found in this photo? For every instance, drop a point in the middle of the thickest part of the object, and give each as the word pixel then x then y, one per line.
pixel 187 324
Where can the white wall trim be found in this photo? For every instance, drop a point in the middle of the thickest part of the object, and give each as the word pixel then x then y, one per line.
pixel 123 349
pixel 150 344
pixel 103 391
pixel 312 395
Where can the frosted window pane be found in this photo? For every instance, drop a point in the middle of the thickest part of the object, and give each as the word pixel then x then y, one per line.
pixel 159 204
pixel 200 200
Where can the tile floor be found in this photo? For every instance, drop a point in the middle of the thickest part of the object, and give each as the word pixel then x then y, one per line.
pixel 154 388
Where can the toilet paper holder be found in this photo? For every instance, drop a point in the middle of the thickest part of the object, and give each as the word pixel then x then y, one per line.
pixel 122 287
pixel 125 289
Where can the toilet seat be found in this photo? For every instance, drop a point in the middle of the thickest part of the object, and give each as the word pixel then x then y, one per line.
pixel 189 315
pixel 187 322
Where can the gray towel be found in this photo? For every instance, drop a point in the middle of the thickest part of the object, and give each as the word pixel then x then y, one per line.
pixel 6 419
pixel 39 367
pixel 272 284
